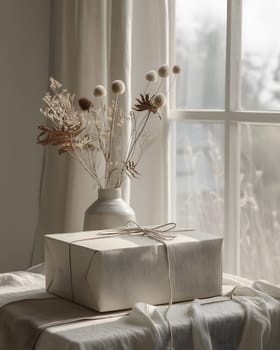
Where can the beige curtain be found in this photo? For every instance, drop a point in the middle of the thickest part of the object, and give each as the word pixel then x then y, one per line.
pixel 90 45
pixel 94 42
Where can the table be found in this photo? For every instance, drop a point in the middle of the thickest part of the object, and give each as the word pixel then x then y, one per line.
pixel 142 328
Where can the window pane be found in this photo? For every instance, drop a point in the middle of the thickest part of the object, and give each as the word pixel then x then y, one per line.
pixel 260 202
pixel 261 55
pixel 200 51
pixel 200 176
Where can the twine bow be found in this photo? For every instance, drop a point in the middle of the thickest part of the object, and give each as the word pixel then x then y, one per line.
pixel 159 233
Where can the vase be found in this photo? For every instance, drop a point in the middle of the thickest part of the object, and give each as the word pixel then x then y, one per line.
pixel 108 211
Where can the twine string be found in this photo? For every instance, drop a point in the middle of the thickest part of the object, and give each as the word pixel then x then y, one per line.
pixel 161 233
pixel 171 340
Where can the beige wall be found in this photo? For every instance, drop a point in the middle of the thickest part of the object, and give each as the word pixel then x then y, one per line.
pixel 24 70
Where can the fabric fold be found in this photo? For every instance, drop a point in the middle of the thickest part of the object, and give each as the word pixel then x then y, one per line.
pixel 261 302
pixel 148 316
pixel 200 330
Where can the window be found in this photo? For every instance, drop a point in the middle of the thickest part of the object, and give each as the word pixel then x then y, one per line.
pixel 226 123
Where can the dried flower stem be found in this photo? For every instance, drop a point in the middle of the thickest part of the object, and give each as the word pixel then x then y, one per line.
pixel 75 154
pixel 132 149
pixel 170 86
pixel 109 154
pixel 159 86
pixel 99 138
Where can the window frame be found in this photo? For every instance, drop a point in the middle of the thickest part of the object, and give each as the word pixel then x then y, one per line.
pixel 232 116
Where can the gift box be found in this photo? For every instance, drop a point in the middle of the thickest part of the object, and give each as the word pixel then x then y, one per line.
pixel 113 273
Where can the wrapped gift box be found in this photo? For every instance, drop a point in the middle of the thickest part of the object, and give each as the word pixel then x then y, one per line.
pixel 114 273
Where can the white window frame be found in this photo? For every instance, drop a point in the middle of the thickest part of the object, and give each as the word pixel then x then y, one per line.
pixel 232 116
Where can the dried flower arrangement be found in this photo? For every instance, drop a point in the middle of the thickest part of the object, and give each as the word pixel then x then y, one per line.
pixel 92 133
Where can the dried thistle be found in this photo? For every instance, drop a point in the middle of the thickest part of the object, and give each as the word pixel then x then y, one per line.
pixel 163 71
pixel 151 76
pixel 159 100
pixel 118 87
pixel 99 91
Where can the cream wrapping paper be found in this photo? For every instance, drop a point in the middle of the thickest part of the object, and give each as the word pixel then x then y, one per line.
pixel 113 273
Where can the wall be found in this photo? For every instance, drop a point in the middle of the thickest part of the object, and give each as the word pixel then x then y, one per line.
pixel 24 70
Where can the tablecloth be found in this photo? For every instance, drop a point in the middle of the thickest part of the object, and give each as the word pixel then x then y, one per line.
pixel 216 323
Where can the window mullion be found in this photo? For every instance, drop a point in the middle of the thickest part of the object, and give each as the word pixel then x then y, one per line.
pixel 233 55
pixel 232 137
pixel 232 196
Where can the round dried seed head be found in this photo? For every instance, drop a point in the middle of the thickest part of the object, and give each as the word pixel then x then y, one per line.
pixel 159 100
pixel 176 69
pixel 84 104
pixel 99 91
pixel 151 76
pixel 118 87
pixel 163 71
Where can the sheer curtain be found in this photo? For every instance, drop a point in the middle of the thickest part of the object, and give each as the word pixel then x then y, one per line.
pixel 95 42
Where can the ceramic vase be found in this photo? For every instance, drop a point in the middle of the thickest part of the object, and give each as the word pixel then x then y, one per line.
pixel 108 211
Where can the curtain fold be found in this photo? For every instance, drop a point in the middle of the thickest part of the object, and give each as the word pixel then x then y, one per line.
pixel 95 42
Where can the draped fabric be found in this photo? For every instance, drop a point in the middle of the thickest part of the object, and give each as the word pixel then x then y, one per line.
pixel 248 320
pixel 95 42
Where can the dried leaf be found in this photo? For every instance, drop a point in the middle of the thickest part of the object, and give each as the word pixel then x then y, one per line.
pixel 60 138
pixel 144 103
pixel 131 170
